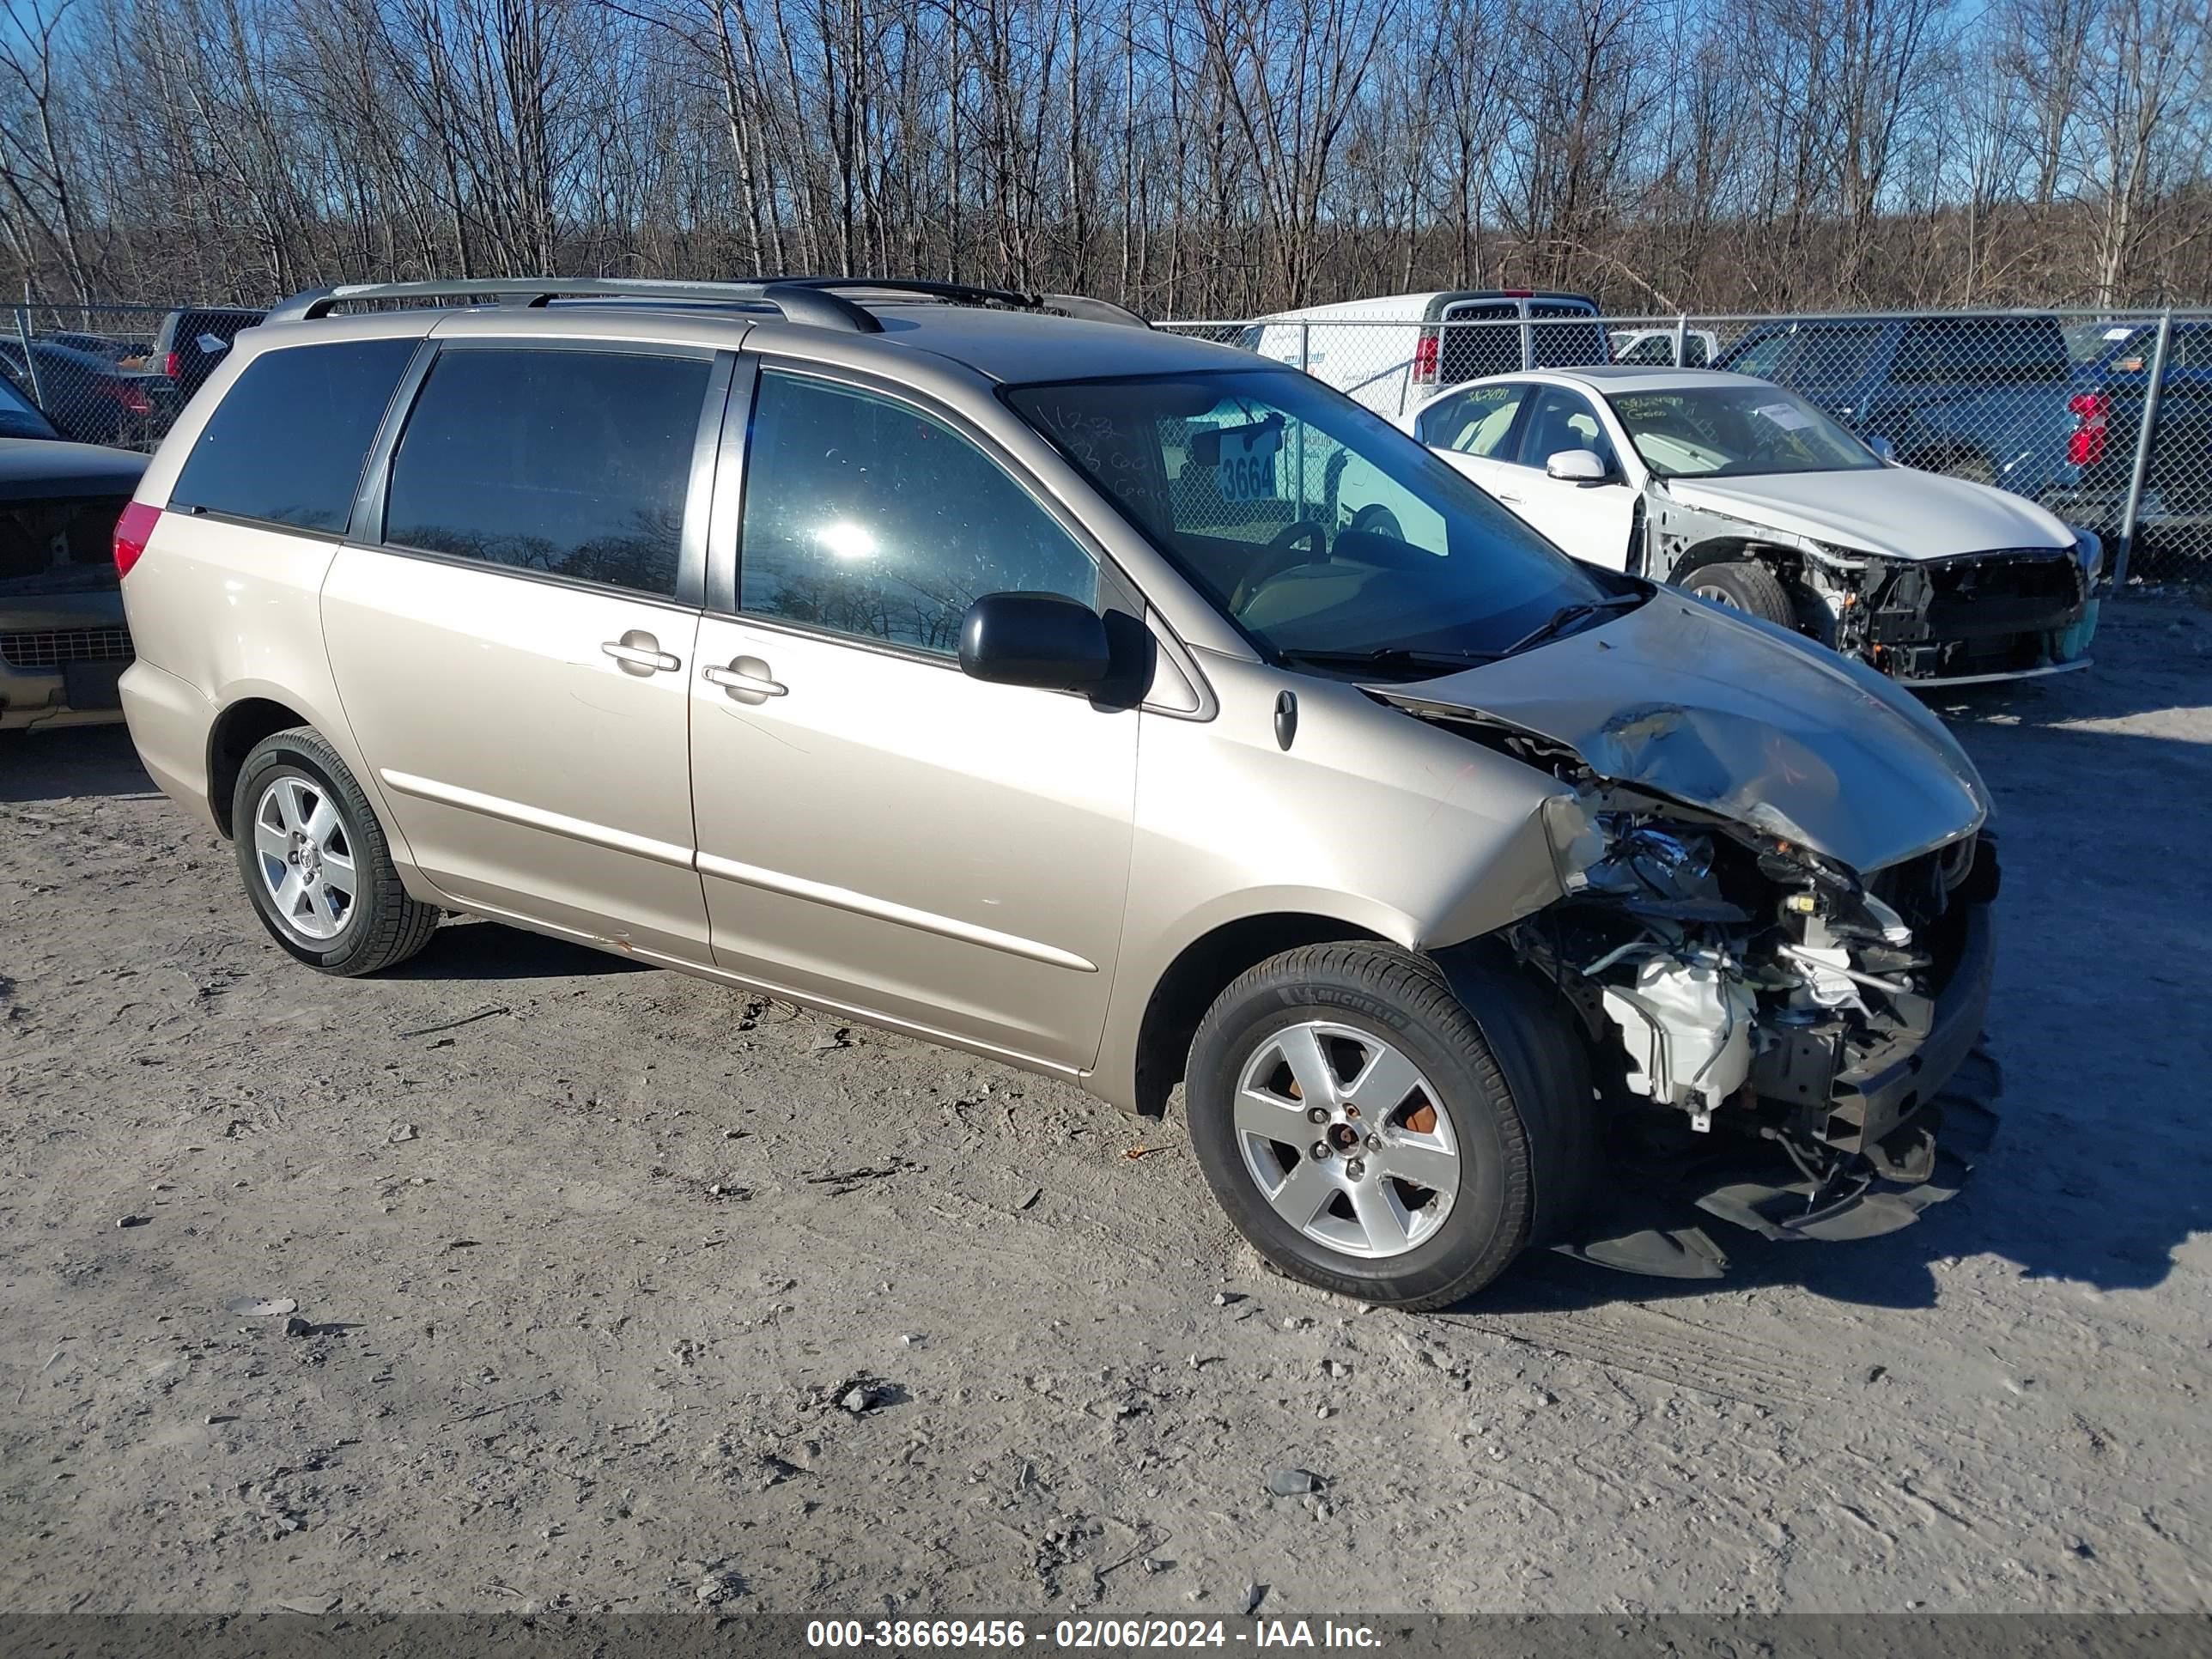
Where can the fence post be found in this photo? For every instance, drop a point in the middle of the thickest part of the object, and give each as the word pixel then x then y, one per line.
pixel 1681 337
pixel 2143 440
pixel 1305 347
pixel 30 361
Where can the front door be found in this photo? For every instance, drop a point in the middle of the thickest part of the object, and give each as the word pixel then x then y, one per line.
pixel 1589 521
pixel 514 655
pixel 876 830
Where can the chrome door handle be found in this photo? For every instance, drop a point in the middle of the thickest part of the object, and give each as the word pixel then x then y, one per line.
pixel 738 682
pixel 1511 501
pixel 640 653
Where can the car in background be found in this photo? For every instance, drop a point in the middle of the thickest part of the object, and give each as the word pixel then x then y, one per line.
pixel 124 353
pixel 63 641
pixel 19 417
pixel 90 400
pixel 1983 397
pixel 1748 496
pixel 1654 348
pixel 192 343
pixel 2112 383
pixel 1392 352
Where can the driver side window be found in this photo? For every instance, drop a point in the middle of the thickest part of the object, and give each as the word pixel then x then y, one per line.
pixel 1563 419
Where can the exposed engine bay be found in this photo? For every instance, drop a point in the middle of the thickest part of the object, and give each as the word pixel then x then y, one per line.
pixel 1733 981
pixel 1743 992
pixel 1983 616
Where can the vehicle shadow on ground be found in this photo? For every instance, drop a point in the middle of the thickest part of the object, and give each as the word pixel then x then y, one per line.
pixel 470 948
pixel 74 763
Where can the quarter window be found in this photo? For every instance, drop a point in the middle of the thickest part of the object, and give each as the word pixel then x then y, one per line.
pixel 286 445
pixel 864 516
pixel 572 462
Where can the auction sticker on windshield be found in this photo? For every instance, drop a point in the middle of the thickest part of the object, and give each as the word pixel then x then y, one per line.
pixel 1788 417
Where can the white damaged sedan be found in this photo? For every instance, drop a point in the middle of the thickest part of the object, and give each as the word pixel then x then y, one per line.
pixel 1746 495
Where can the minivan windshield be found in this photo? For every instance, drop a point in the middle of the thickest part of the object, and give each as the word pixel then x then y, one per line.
pixel 1736 432
pixel 1329 537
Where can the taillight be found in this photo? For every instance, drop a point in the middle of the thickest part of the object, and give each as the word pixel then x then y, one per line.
pixel 2091 410
pixel 169 366
pixel 1427 352
pixel 132 532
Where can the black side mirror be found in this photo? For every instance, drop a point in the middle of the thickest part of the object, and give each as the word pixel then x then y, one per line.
pixel 1041 640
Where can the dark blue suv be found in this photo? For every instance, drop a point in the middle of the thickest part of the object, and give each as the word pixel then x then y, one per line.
pixel 1979 397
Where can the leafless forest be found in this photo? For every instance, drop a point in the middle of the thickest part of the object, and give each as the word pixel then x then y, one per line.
pixel 1194 157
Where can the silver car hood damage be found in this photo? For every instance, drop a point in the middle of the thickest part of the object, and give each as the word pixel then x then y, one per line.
pixel 1738 717
pixel 1896 511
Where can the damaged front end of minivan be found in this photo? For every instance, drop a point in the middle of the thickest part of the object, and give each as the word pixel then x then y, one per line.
pixel 1785 1039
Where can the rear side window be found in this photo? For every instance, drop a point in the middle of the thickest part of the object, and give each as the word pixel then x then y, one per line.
pixel 1832 356
pixel 286 446
pixel 572 462
pixel 1475 422
pixel 1982 351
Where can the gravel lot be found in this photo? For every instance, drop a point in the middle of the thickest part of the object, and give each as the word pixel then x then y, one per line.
pixel 590 1272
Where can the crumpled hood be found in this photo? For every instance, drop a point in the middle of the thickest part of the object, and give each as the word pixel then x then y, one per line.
pixel 1735 715
pixel 1898 510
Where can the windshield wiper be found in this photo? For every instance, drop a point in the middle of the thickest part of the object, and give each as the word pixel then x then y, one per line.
pixel 1566 615
pixel 1388 659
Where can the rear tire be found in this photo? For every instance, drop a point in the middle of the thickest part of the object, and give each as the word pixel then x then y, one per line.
pixel 1427 1190
pixel 334 900
pixel 1740 584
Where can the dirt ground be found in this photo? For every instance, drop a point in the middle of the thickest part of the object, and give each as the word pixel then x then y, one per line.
pixel 592 1255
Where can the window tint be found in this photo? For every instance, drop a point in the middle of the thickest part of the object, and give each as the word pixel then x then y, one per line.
pixel 1761 356
pixel 1476 421
pixel 1969 350
pixel 1479 339
pixel 1831 357
pixel 1563 419
pixel 1562 344
pixel 867 517
pixel 19 418
pixel 573 463
pixel 286 446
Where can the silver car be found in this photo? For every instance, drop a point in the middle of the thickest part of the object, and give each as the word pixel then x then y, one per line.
pixel 996 670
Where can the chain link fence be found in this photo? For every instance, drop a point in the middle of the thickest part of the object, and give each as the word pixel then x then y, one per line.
pixel 2104 417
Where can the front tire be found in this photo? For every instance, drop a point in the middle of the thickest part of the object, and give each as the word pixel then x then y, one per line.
pixel 1740 584
pixel 1353 1122
pixel 316 866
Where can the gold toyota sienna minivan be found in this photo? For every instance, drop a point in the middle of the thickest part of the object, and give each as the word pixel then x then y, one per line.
pixel 997 668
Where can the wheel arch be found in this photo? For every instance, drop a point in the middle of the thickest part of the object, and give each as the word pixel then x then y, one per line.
pixel 1198 975
pixel 1729 549
pixel 232 738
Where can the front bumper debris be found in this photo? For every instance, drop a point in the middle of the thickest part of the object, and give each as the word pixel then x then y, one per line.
pixel 1907 1123
pixel 1967 620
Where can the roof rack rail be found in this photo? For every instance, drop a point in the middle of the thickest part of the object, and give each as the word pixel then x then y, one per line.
pixel 811 306
pixel 1079 306
pixel 816 302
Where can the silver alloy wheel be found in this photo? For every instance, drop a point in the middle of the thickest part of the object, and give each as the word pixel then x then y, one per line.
pixel 1719 596
pixel 305 855
pixel 1346 1139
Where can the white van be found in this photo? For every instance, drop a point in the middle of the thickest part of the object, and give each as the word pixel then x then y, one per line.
pixel 1394 352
